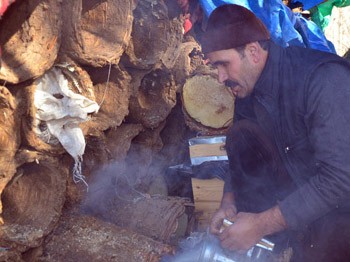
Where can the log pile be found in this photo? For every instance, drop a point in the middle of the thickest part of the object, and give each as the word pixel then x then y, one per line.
pixel 131 59
pixel 81 238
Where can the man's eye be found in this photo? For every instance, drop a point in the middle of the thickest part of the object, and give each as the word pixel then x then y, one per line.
pixel 223 64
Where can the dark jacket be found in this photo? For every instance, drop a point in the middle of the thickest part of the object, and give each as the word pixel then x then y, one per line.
pixel 306 98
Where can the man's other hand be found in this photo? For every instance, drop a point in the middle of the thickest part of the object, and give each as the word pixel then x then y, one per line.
pixel 244 233
pixel 249 228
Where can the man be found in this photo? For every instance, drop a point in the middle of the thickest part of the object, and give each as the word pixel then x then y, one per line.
pixel 289 146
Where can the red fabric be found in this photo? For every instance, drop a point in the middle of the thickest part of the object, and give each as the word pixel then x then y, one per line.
pixel 187 25
pixel 4 4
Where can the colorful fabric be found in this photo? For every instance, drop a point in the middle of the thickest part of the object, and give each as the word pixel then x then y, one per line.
pixel 4 4
pixel 286 28
pixel 321 14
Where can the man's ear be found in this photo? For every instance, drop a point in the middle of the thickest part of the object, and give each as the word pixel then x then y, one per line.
pixel 254 51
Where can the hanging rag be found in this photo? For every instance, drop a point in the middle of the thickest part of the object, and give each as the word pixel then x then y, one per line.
pixel 62 111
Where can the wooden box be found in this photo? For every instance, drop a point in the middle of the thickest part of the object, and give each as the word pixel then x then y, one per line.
pixel 207 149
pixel 207 194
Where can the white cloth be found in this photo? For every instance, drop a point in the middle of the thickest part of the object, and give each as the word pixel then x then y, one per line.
pixel 63 111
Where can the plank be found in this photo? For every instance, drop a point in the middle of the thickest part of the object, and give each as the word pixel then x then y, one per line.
pixel 202 150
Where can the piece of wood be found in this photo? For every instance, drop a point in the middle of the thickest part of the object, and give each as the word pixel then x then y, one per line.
pixel 208 102
pixel 154 100
pixel 207 206
pixel 207 190
pixel 156 217
pixel 84 238
pixel 201 150
pixel 155 38
pixel 96 32
pixel 207 194
pixel 32 200
pixel 30 38
pixel 203 220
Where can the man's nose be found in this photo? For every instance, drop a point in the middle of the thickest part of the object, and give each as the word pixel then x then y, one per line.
pixel 222 76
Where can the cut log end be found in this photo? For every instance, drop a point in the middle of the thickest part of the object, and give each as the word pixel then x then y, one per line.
pixel 207 103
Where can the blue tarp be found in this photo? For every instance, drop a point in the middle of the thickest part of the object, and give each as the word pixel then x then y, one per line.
pixel 286 28
pixel 307 4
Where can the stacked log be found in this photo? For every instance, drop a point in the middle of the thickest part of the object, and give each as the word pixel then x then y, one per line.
pixel 112 198
pixel 96 32
pixel 84 238
pixel 154 38
pixel 30 41
pixel 9 137
pixel 155 98
pixel 32 202
pixel 208 106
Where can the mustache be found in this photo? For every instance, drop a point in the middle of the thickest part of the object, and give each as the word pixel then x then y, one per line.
pixel 230 83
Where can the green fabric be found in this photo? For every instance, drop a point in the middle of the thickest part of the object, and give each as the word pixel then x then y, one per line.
pixel 321 14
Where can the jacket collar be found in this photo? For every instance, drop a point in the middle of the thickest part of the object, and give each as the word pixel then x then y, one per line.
pixel 267 86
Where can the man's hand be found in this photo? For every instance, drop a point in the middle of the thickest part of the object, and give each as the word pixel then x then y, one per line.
pixel 228 212
pixel 244 233
pixel 249 228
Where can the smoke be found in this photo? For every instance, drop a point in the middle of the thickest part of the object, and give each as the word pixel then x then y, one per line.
pixel 137 177
pixel 189 250
pixel 204 247
pixel 108 183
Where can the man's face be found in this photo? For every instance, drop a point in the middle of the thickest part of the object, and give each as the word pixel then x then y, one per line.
pixel 182 3
pixel 236 70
